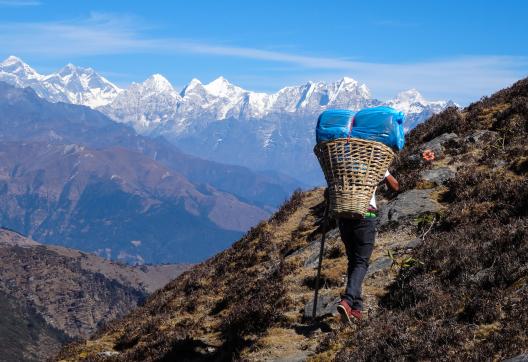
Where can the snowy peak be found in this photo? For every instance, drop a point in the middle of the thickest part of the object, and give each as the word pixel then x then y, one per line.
pixel 363 89
pixel 348 87
pixel 83 86
pixel 416 107
pixel 69 69
pixel 72 71
pixel 410 96
pixel 145 105
pixel 159 83
pixel 85 77
pixel 220 87
pixel 70 84
pixel 193 85
pixel 346 81
pixel 11 60
pixel 154 106
pixel 411 101
pixel 17 68
pixel 313 97
pixel 218 84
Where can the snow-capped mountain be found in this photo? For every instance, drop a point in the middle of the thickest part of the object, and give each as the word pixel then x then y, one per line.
pixel 145 105
pixel 70 84
pixel 416 108
pixel 167 112
pixel 173 114
pixel 219 120
pixel 155 106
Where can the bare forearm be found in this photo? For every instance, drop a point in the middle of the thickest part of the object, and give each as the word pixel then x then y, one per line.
pixel 392 183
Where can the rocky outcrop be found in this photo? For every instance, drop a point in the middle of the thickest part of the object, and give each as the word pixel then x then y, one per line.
pixel 326 305
pixel 437 145
pixel 408 205
pixel 519 358
pixel 438 176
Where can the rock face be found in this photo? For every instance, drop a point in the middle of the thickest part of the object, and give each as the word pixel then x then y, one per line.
pixel 313 260
pixel 481 135
pixel 379 266
pixel 325 305
pixel 408 204
pixel 437 144
pixel 52 294
pixel 519 358
pixel 438 175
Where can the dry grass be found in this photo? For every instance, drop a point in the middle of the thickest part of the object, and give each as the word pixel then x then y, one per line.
pixel 466 302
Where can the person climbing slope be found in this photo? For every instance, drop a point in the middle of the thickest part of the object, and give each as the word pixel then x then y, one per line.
pixel 355 150
pixel 359 236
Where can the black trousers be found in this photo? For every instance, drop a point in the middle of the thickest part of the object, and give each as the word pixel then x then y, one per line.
pixel 358 235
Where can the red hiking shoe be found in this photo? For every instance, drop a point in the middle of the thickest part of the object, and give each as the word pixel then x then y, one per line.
pixel 347 313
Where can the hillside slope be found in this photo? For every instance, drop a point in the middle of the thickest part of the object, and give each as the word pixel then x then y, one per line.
pixel 453 287
pixel 117 203
pixel 51 294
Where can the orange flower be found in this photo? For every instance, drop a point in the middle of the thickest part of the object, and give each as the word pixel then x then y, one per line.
pixel 428 155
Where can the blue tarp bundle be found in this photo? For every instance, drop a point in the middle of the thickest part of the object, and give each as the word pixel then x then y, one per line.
pixel 333 124
pixel 382 124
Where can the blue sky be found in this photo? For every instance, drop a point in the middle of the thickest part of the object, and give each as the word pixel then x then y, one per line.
pixel 459 50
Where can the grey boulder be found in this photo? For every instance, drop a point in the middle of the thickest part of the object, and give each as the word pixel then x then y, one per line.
pixel 407 205
pixel 481 135
pixel 437 144
pixel 438 175
pixel 313 260
pixel 380 265
pixel 326 305
pixel 519 358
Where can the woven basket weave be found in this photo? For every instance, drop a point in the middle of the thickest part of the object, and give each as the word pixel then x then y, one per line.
pixel 352 168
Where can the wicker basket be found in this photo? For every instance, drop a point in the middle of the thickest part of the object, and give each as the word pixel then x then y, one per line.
pixel 352 168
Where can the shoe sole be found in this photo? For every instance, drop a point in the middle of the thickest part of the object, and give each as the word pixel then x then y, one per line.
pixel 344 315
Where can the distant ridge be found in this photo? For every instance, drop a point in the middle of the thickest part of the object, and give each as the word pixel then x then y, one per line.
pixel 220 121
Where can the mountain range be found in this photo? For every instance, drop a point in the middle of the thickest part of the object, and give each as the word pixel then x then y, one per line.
pixel 71 176
pixel 70 84
pixel 220 121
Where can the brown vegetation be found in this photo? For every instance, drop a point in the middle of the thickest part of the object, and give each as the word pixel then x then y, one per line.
pixel 51 294
pixel 469 298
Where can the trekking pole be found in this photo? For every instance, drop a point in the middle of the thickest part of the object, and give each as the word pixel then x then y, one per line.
pixel 321 252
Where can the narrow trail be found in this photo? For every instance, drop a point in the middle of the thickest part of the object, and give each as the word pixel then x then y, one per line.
pixel 294 336
pixel 300 340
